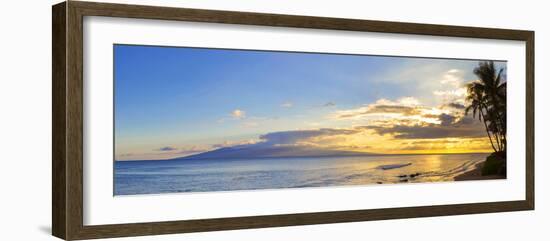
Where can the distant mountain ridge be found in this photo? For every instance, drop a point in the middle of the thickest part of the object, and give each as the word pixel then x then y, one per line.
pixel 254 151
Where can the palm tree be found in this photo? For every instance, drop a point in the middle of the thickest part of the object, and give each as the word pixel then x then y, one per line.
pixel 487 98
pixel 477 101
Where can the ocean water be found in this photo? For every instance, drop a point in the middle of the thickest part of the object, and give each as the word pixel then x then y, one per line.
pixel 174 176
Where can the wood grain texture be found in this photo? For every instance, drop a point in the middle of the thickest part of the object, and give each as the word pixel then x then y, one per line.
pixel 530 119
pixel 67 180
pixel 74 121
pixel 58 121
pixel 121 230
pixel 279 20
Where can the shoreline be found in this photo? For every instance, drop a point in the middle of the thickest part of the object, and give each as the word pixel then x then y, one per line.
pixel 476 174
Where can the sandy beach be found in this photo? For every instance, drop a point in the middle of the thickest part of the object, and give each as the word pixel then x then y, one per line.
pixel 476 175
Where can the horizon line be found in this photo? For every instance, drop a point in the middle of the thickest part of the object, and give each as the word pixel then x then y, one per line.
pixel 280 157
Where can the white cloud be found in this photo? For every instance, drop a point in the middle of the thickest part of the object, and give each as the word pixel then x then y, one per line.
pixel 235 143
pixel 406 106
pixel 460 92
pixel 408 101
pixel 457 96
pixel 452 87
pixel 453 77
pixel 287 104
pixel 452 71
pixel 238 114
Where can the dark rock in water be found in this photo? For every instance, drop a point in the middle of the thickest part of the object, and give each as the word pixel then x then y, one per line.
pixel 404 180
pixel 379 182
pixel 393 166
pixel 414 175
pixel 402 176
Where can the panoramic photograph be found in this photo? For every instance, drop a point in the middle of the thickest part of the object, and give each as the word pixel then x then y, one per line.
pixel 205 120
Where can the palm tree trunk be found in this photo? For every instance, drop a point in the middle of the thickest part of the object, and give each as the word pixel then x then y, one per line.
pixel 499 143
pixel 496 135
pixel 501 125
pixel 503 134
pixel 487 130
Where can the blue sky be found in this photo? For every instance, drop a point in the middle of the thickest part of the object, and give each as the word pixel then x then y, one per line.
pixel 193 99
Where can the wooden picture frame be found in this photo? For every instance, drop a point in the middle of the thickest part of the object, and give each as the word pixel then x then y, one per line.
pixel 67 152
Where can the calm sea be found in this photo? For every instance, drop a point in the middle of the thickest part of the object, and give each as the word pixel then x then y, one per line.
pixel 173 176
